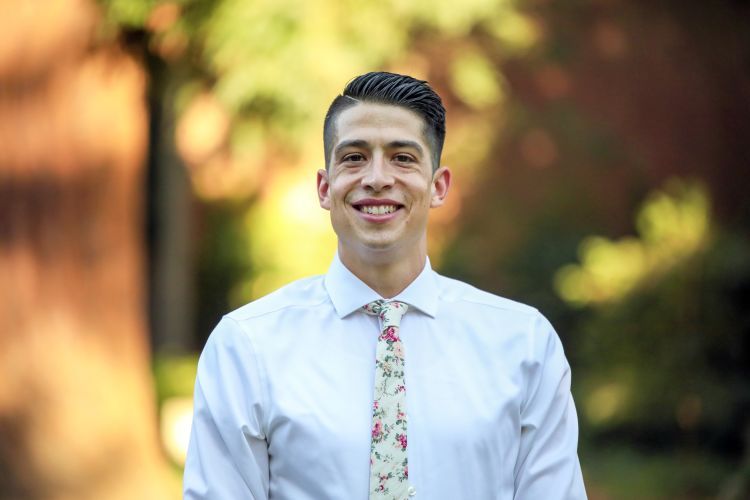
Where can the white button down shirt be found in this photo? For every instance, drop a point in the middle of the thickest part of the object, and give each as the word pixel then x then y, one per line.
pixel 283 397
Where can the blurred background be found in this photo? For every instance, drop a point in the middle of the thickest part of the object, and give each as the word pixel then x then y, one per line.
pixel 157 166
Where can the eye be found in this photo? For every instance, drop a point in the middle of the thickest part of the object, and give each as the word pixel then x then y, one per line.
pixel 353 158
pixel 403 158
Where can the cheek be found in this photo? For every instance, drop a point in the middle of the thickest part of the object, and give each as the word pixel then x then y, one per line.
pixel 339 198
pixel 342 190
pixel 422 192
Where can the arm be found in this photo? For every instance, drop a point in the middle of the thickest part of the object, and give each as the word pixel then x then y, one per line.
pixel 228 455
pixel 547 465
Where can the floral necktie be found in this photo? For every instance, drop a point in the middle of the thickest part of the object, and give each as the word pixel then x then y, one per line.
pixel 389 471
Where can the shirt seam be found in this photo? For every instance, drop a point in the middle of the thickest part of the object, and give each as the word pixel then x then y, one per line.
pixel 443 281
pixel 531 311
pixel 280 308
pixel 531 344
pixel 262 376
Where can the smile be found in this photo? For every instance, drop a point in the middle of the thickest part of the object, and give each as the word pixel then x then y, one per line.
pixel 377 209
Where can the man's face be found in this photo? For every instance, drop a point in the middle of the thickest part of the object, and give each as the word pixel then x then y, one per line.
pixel 380 185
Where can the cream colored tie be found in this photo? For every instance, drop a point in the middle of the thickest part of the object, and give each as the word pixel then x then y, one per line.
pixel 389 470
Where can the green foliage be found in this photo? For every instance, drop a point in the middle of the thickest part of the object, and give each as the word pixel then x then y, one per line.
pixel 174 375
pixel 671 360
pixel 129 13
pixel 284 60
pixel 664 367
pixel 475 80
pixel 672 225
pixel 626 473
pixel 222 262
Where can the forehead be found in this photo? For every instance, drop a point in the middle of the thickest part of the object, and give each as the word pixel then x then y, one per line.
pixel 379 122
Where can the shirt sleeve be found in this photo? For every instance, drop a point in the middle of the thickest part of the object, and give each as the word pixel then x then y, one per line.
pixel 547 465
pixel 227 456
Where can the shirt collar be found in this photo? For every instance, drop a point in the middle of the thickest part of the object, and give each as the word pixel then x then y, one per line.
pixel 348 293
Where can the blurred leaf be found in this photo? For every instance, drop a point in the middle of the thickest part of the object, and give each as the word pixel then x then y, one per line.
pixel 673 225
pixel 174 375
pixel 475 80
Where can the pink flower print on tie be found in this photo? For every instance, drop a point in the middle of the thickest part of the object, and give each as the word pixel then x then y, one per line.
pixel 401 438
pixel 389 470
pixel 390 334
pixel 377 430
pixel 398 351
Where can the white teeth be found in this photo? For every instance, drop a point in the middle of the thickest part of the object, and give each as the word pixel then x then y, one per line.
pixel 378 209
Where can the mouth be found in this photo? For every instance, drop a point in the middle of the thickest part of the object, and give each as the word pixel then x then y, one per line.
pixel 376 207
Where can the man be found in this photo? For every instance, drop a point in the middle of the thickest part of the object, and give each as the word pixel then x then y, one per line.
pixel 383 379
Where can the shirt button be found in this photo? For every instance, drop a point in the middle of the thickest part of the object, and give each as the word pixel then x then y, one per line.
pixel 412 491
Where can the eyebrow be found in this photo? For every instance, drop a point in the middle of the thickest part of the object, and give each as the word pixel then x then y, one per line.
pixel 359 143
pixel 405 144
pixel 354 143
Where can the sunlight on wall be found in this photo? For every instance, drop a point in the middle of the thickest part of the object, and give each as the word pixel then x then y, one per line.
pixel 673 224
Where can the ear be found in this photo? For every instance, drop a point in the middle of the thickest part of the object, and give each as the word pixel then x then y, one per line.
pixel 324 189
pixel 441 183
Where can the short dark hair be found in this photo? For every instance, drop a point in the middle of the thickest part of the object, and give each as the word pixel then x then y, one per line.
pixel 380 87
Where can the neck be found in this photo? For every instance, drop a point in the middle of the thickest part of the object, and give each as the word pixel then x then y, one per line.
pixel 385 273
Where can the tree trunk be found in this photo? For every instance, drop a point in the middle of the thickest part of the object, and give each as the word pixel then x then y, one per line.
pixel 77 412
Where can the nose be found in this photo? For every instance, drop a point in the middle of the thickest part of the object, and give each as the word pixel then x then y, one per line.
pixel 378 175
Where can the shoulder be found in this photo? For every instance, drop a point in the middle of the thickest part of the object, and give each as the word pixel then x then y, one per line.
pixel 495 317
pixel 240 326
pixel 304 293
pixel 514 323
pixel 452 290
pixel 242 340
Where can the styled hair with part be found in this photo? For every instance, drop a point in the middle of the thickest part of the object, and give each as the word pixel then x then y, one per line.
pixel 380 87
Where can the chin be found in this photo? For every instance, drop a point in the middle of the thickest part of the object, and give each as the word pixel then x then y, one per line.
pixel 378 245
pixel 375 243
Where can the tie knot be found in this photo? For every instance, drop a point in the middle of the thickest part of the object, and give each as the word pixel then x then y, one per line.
pixel 389 311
